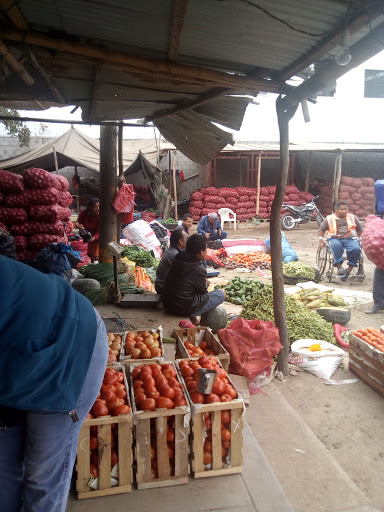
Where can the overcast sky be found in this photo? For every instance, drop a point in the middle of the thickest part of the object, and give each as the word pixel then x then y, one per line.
pixel 348 117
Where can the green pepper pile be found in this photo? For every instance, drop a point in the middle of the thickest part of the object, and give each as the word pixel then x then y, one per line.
pixel 239 291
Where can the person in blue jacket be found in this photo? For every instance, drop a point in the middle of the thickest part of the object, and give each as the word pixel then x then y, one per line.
pixel 210 227
pixel 54 353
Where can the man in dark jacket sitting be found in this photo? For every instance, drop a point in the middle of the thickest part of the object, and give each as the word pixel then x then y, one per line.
pixel 178 241
pixel 185 286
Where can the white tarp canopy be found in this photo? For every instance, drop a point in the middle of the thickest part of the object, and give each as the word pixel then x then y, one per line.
pixel 74 148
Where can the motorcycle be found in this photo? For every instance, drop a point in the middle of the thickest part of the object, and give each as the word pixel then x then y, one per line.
pixel 300 214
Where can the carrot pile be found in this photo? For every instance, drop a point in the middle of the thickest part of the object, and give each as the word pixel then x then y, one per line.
pixel 250 258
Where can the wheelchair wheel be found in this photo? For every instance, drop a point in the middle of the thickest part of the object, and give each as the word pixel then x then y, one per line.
pixel 322 258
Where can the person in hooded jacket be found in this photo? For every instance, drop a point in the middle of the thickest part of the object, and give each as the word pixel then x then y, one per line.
pixel 185 286
pixel 54 352
pixel 178 241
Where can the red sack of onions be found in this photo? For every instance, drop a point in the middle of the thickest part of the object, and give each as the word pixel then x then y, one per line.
pixel 1 197
pixel 27 254
pixel 10 182
pixel 373 240
pixel 42 240
pixel 12 215
pixel 3 226
pixel 39 178
pixel 63 183
pixel 32 227
pixel 49 213
pixel 64 199
pixel 33 196
pixel 21 242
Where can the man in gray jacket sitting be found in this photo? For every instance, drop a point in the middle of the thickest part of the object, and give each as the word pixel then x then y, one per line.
pixel 178 241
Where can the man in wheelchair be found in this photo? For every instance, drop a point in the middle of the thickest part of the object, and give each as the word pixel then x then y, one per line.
pixel 344 229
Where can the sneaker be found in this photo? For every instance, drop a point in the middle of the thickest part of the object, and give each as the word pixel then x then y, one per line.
pixel 344 277
pixel 340 271
pixel 374 309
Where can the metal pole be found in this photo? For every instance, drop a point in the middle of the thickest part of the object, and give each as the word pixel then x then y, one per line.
pixel 174 184
pixel 108 190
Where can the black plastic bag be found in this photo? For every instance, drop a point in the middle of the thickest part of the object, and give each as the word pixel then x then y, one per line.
pixel 7 246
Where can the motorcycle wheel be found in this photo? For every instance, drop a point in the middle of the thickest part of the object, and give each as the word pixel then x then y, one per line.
pixel 287 222
pixel 319 218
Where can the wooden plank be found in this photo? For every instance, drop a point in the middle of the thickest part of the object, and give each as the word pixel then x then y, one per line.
pixel 143 451
pixel 197 445
pixel 104 453
pixel 181 447
pixel 83 460
pixel 105 492
pixel 125 454
pixel 369 370
pixel 368 380
pixel 217 459
pixel 218 472
pixel 369 363
pixel 165 483
pixel 236 438
pixel 137 300
pixel 163 466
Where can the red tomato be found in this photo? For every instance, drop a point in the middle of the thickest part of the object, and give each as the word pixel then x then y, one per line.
pixel 171 451
pixel 121 393
pixel 166 366
pixel 108 395
pixel 94 471
pixel 225 398
pixel 138 384
pixel 170 372
pixel 196 397
pixel 108 387
pixel 155 352
pixel 120 377
pixel 186 371
pixel 153 393
pixel 207 457
pixel 211 398
pixel 164 403
pixel 203 360
pixel 140 398
pixel 89 416
pixel 149 383
pixel 192 385
pixel 218 386
pixel 114 402
pixel 179 402
pixel 94 458
pixel 99 409
pixel 231 391
pixel 138 391
pixel 208 445
pixel 114 457
pixel 120 385
pixel 109 378
pixel 188 379
pixel 226 444
pixel 171 435
pixel 160 380
pixel 144 376
pixel 149 404
pixel 121 409
pixel 154 366
pixel 135 373
pixel 225 434
pixel 174 383
pixel 224 451
pixel 226 416
pixel 93 443
pixel 167 392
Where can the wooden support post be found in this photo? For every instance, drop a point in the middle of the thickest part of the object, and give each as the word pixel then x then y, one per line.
pixel 283 117
pixel 77 194
pixel 121 174
pixel 55 159
pixel 108 190
pixel 336 178
pixel 174 184
pixel 308 173
pixel 258 185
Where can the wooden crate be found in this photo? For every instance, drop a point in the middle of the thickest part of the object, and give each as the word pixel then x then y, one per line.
pixel 124 430
pixel 142 444
pixel 195 336
pixel 128 360
pixel 198 434
pixel 367 363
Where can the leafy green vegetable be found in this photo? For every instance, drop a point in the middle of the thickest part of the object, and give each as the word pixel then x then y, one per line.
pixel 168 221
pixel 140 256
pixel 102 272
pixel 301 321
pixel 297 268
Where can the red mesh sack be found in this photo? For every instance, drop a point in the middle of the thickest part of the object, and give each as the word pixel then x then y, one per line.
pixel 64 199
pixel 196 196
pixel 11 182
pixel 344 180
pixel 1 197
pixel 347 188
pixel 368 182
pixel 231 201
pixel 21 200
pixel 32 227
pixel 356 196
pixel 41 240
pixel 291 189
pixel 365 190
pixel 211 199
pixel 196 218
pixel 369 197
pixel 211 256
pixel 3 226
pixel 12 215
pixel 39 178
pixel 246 204
pixel 210 191
pixel 344 196
pixel 27 254
pixel 194 211
pixel 293 197
pixel 63 183
pixel 372 240
pixel 33 196
pixel 48 213
pixel 21 242
pixel 196 204
pixel 263 215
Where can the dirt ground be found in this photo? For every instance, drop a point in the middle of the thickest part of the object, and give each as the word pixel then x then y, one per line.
pixel 346 419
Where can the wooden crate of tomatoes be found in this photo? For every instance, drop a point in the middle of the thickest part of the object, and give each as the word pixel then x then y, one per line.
pixel 104 454
pixel 366 357
pixel 143 346
pixel 198 341
pixel 217 423
pixel 161 418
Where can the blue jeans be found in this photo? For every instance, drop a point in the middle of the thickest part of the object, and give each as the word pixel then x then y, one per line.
pixel 216 236
pixel 378 288
pixel 215 298
pixel 37 458
pixel 338 245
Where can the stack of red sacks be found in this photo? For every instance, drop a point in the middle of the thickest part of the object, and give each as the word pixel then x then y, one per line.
pixel 241 200
pixel 34 209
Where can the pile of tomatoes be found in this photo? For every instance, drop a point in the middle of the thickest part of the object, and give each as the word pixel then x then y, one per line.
pixel 198 350
pixel 142 345
pixel 112 400
pixel 373 337
pixel 222 390
pixel 225 435
pixel 156 386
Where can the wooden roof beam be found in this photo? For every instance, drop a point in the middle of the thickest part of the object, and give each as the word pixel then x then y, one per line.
pixel 355 23
pixel 60 98
pixel 12 11
pixel 178 14
pixel 364 49
pixel 15 64
pixel 132 63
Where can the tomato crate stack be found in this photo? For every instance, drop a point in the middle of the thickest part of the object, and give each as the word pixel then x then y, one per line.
pixel 217 423
pixel 143 346
pixel 367 360
pixel 203 341
pixel 104 454
pixel 161 425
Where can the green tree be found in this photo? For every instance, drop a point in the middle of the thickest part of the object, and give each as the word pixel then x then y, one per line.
pixel 16 128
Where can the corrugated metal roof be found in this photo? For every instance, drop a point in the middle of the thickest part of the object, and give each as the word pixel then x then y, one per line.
pixel 236 37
